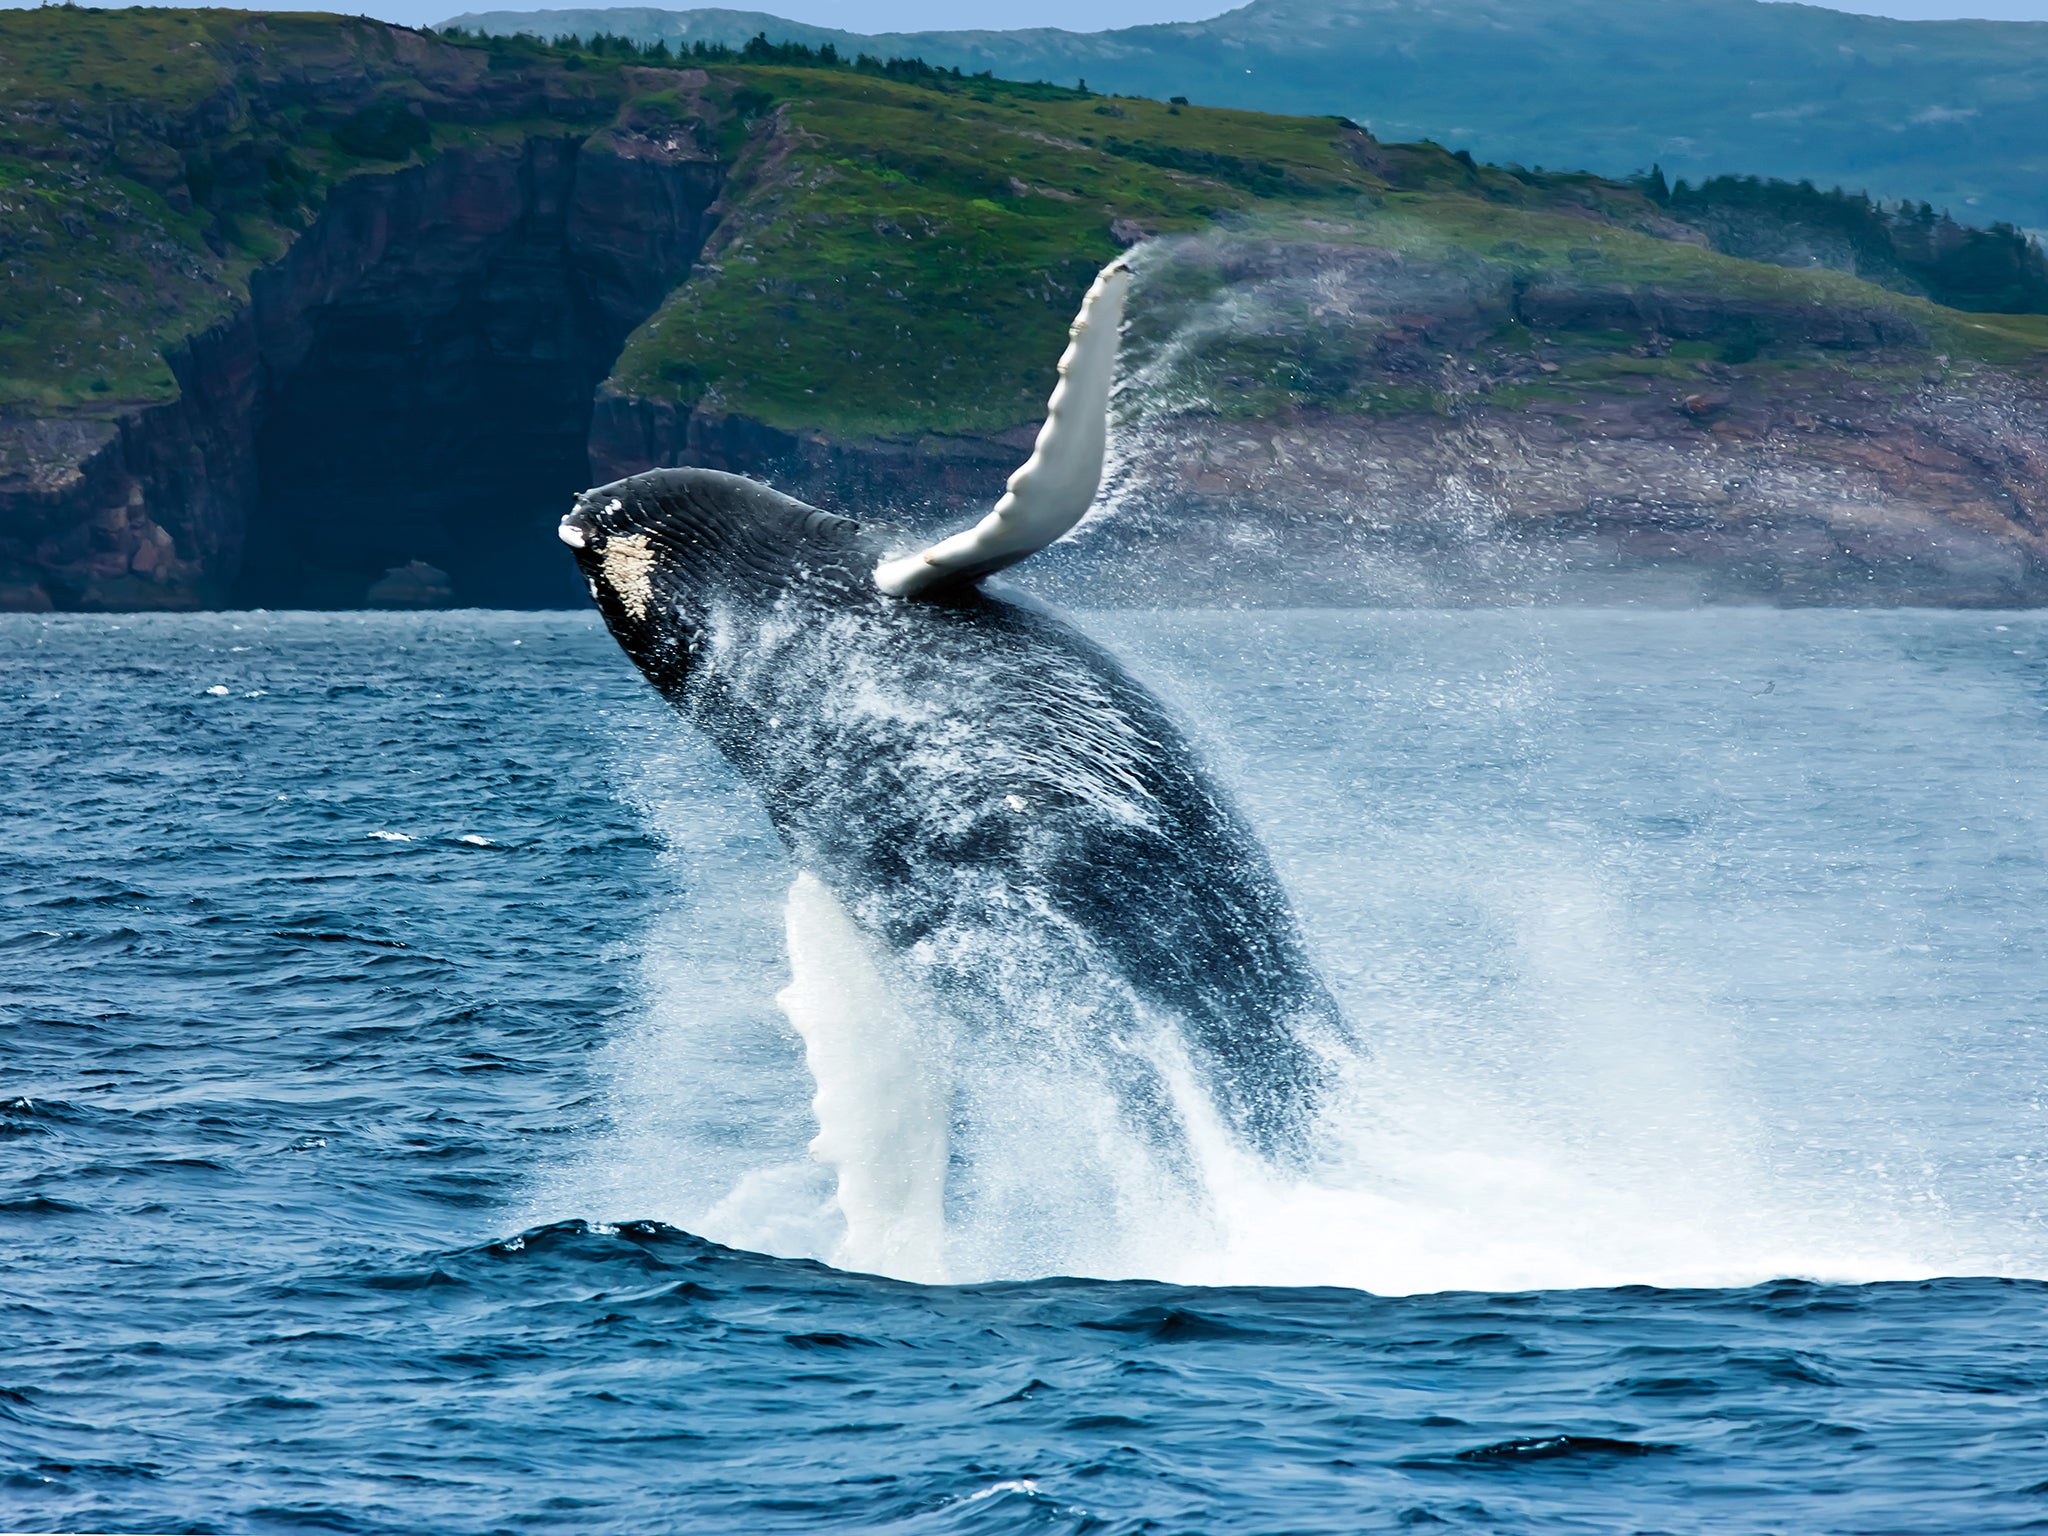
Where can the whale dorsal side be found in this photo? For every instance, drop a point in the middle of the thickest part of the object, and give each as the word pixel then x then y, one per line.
pixel 1057 484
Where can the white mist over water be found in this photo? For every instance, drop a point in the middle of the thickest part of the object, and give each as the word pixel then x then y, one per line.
pixel 1690 948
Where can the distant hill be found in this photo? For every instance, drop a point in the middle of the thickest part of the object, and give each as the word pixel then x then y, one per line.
pixel 1953 112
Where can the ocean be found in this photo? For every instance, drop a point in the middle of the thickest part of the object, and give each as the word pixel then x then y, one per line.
pixel 400 1131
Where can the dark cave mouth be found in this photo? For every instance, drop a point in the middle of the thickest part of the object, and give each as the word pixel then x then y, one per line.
pixel 433 409
pixel 453 438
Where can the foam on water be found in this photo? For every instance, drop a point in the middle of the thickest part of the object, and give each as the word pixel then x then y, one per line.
pixel 1623 1016
pixel 1630 1166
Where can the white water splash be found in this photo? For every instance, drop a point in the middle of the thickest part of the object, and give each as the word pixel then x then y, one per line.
pixel 883 1091
pixel 1645 1002
pixel 1622 1166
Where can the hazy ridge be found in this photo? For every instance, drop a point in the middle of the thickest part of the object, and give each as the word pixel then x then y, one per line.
pixel 1953 112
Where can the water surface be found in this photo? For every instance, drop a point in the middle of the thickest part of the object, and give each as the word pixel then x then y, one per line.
pixel 390 1043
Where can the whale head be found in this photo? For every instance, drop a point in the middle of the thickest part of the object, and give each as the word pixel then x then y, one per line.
pixel 663 552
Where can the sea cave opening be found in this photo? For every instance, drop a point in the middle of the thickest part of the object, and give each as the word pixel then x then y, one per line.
pixel 432 349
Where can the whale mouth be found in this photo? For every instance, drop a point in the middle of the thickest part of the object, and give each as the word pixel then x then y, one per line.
pixel 576 530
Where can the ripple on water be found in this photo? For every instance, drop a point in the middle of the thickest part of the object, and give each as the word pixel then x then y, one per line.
pixel 277 1093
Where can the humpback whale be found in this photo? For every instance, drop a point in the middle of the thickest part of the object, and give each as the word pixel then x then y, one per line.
pixel 995 802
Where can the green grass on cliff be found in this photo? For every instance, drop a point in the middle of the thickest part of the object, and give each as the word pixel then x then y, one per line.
pixel 895 257
pixel 1950 111
pixel 98 272
pixel 152 160
pixel 908 259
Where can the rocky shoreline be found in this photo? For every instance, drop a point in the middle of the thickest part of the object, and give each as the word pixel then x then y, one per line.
pixel 1940 499
pixel 1878 473
pixel 1837 493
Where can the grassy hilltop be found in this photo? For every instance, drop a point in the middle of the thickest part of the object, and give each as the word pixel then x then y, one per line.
pixel 1955 112
pixel 912 249
pixel 151 161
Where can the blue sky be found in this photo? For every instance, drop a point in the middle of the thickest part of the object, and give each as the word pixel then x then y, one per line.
pixel 1080 15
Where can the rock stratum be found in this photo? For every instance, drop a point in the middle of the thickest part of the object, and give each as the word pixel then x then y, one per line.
pixel 316 311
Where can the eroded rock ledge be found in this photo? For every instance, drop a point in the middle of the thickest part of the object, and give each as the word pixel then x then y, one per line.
pixel 1498 457
pixel 1939 500
pixel 384 275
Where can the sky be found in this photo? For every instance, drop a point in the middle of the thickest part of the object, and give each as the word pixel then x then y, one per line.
pixel 1077 15
pixel 851 15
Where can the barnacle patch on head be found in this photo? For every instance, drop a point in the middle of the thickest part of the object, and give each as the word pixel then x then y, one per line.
pixel 628 565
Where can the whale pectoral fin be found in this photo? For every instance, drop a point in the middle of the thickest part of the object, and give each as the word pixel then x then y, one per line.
pixel 1057 484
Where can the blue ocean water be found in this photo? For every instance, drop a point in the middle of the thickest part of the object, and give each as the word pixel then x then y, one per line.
pixel 398 1131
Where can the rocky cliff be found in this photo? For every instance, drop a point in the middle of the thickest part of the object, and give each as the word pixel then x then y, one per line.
pixel 411 380
pixel 1575 441
pixel 394 360
pixel 1651 497
pixel 303 310
pixel 1322 422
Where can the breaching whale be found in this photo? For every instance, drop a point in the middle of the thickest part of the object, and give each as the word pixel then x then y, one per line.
pixel 994 801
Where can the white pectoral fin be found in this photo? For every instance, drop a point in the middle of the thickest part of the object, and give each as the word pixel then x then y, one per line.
pixel 1057 484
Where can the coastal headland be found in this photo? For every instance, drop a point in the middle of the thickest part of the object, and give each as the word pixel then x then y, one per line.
pixel 317 311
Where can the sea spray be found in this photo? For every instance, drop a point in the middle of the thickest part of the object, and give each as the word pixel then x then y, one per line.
pixel 1558 1091
pixel 1543 861
pixel 1248 461
pixel 882 1072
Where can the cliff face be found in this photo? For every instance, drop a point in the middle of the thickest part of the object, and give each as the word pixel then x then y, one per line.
pixel 406 348
pixel 913 480
pixel 412 380
pixel 142 511
pixel 1571 441
pixel 1335 423
pixel 1845 495
pixel 431 349
pixel 1940 499
pixel 320 311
